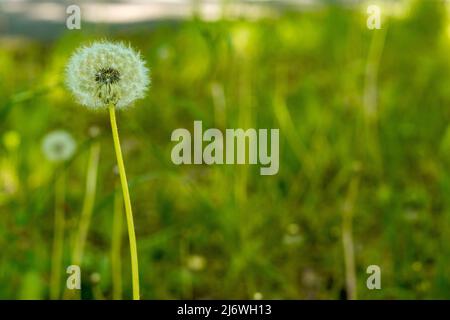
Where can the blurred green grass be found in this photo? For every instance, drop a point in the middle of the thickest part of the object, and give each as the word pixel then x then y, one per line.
pixel 350 103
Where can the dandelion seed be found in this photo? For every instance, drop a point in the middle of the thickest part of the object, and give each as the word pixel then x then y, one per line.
pixel 58 146
pixel 107 73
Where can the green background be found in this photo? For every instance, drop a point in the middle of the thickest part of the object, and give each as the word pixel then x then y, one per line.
pixel 364 138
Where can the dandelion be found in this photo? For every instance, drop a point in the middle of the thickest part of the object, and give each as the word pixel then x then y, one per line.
pixel 111 76
pixel 58 146
pixel 105 74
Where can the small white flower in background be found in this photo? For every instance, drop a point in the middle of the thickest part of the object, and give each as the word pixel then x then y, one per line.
pixel 58 146
pixel 107 73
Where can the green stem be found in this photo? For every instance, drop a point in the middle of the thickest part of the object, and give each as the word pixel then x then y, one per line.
pixel 126 197
pixel 88 204
pixel 116 262
pixel 347 239
pixel 58 237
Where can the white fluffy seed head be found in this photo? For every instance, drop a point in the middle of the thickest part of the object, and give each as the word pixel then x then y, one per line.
pixel 107 73
pixel 58 146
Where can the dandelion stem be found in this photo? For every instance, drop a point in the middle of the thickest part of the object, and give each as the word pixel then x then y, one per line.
pixel 116 262
pixel 58 237
pixel 128 210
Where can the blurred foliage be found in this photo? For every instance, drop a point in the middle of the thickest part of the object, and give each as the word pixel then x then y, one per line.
pixel 351 103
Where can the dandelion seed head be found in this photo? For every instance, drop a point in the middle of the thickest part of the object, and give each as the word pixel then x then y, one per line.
pixel 107 73
pixel 58 146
